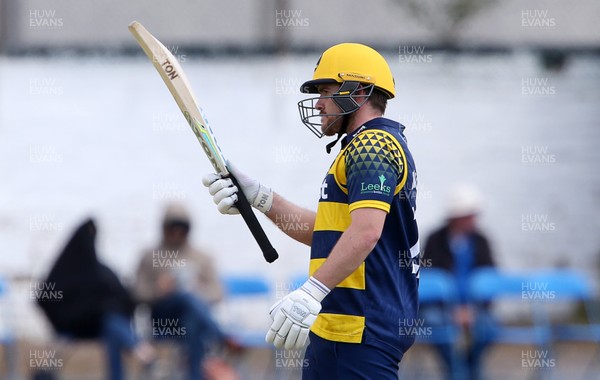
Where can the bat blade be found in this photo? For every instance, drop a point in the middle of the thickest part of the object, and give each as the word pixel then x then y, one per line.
pixel 174 78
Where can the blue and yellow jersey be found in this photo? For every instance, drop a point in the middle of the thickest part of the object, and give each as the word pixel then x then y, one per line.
pixel 373 169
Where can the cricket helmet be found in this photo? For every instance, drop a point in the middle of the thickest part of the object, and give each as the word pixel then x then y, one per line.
pixel 352 62
pixel 357 68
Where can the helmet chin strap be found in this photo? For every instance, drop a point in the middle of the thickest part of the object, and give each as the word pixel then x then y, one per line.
pixel 345 120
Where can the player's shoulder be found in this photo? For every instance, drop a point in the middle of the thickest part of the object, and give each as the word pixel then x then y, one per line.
pixel 379 131
pixel 375 140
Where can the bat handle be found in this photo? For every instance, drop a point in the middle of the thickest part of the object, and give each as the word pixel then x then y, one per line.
pixel 261 238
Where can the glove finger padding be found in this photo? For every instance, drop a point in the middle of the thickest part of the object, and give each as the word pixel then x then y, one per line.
pixel 220 184
pixel 302 337
pixel 278 319
pixel 274 309
pixel 270 337
pixel 282 333
pixel 223 191
pixel 226 206
pixel 209 178
pixel 290 341
pixel 228 192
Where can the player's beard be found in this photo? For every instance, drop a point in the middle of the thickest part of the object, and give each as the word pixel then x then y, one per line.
pixel 331 125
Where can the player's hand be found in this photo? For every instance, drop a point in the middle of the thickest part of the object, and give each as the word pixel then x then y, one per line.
pixel 225 193
pixel 295 314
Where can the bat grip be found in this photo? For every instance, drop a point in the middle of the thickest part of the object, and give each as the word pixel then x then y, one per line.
pixel 253 224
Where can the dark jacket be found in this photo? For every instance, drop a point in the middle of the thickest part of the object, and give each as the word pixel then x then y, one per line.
pixel 437 250
pixel 85 289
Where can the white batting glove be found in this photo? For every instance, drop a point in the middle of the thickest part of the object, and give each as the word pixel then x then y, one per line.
pixel 295 314
pixel 225 193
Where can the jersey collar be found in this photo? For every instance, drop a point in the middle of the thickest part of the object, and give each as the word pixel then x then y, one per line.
pixel 369 124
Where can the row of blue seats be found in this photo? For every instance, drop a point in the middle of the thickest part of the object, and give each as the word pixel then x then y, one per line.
pixel 536 290
pixel 536 293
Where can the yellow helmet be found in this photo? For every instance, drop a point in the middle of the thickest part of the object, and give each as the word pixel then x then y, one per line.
pixel 352 62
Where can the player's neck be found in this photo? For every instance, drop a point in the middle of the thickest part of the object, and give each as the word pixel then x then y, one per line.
pixel 360 117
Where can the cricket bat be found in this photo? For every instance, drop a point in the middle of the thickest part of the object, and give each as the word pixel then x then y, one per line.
pixel 172 74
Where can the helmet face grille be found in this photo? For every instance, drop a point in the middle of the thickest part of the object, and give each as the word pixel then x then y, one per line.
pixel 346 98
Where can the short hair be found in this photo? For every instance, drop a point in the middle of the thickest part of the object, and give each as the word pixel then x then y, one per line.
pixel 378 100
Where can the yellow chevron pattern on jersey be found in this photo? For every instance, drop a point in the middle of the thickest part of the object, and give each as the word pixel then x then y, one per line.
pixel 364 154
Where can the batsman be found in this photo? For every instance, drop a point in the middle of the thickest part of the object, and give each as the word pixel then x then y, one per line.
pixel 363 275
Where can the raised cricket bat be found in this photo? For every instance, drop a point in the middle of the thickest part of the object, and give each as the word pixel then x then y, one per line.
pixel 172 74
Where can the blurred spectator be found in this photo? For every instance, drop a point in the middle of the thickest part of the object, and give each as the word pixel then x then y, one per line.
pixel 179 283
pixel 459 248
pixel 87 301
pixel 176 265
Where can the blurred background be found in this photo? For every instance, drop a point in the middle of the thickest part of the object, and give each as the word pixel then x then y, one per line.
pixel 504 95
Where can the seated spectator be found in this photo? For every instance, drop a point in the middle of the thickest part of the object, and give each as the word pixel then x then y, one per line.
pixel 90 302
pixel 179 283
pixel 459 248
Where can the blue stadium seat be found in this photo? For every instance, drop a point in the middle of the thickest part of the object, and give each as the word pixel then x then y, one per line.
pixel 436 286
pixel 489 285
pixel 571 288
pixel 242 292
pixel 244 286
pixel 244 317
pixel 438 296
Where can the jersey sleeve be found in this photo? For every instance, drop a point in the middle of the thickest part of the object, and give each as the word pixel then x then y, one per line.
pixel 374 170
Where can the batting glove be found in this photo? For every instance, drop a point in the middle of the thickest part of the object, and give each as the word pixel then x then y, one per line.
pixel 295 314
pixel 225 193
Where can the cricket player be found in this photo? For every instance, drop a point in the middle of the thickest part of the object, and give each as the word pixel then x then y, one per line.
pixel 364 239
